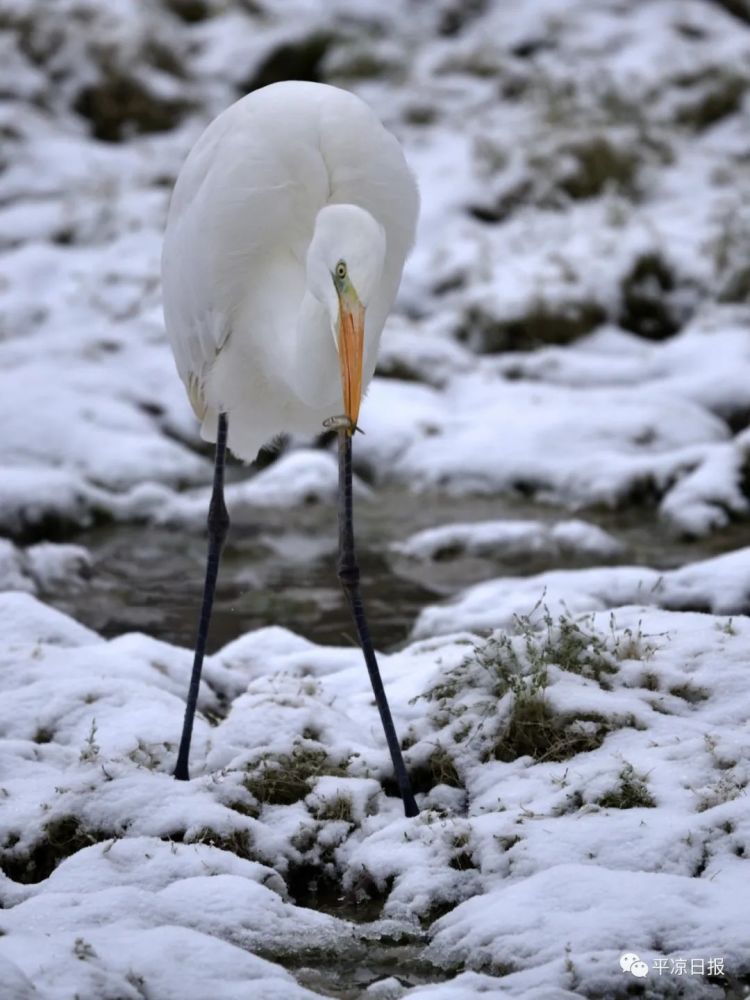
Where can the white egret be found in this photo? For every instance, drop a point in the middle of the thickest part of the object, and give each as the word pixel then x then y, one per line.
pixel 287 233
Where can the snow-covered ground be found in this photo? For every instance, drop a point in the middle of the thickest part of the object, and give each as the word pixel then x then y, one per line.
pixel 573 331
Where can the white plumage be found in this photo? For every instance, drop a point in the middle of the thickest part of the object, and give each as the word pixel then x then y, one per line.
pixel 284 186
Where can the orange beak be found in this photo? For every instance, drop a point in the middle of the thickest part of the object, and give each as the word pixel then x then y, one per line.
pixel 351 349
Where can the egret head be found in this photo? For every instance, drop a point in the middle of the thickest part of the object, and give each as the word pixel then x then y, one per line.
pixel 344 267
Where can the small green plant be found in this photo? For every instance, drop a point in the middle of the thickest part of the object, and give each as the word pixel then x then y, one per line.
pixel 725 789
pixel 631 793
pixel 727 627
pixel 443 768
pixel 572 644
pixel 501 688
pixel 630 644
pixel 506 842
pixel 728 786
pixel 60 838
pixel 439 768
pixel 337 808
pixel 286 778
pixel 571 970
pixel 720 760
pixel 572 802
pixel 534 730
pixel 237 842
pixel 575 646
pixel 90 751
pixel 689 693
pixel 462 859
pixel 246 808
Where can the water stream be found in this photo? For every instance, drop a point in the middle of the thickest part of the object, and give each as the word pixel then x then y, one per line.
pixel 280 568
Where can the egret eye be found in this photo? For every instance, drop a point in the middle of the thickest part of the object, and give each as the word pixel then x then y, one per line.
pixel 341 270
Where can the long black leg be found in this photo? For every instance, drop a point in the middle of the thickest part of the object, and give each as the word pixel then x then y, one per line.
pixel 218 526
pixel 348 572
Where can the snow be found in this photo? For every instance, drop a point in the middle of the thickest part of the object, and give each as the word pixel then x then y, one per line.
pixel 39 567
pixel 556 452
pixel 511 540
pixel 160 873
pixel 720 585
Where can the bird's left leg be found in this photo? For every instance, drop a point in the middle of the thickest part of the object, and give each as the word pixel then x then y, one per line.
pixel 218 527
pixel 348 572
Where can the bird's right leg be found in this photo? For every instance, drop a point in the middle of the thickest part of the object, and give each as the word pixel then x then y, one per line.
pixel 218 527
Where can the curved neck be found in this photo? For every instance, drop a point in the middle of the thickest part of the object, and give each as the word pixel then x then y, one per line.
pixel 312 365
pixel 295 331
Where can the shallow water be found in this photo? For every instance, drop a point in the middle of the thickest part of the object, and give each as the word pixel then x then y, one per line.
pixel 349 979
pixel 280 569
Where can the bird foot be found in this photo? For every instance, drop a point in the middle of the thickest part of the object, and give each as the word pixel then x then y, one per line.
pixel 342 423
